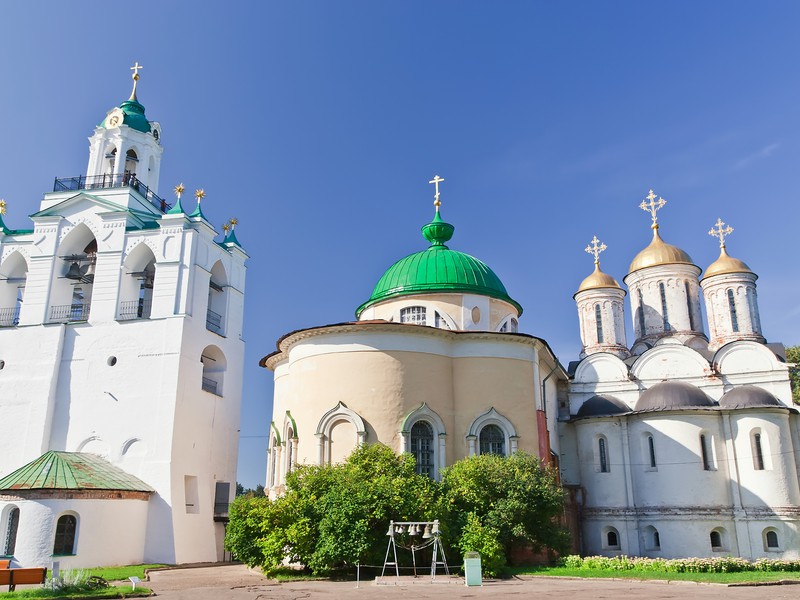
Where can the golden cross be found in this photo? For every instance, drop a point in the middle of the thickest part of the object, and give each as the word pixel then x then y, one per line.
pixel 2 207
pixel 722 231
pixel 179 190
pixel 135 68
pixel 595 248
pixel 653 206
pixel 199 194
pixel 436 180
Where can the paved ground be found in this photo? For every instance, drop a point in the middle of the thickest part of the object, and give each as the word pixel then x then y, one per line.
pixel 236 582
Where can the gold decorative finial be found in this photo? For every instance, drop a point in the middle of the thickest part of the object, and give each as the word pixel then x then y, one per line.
pixel 653 206
pixel 199 194
pixel 234 222
pixel 179 190
pixel 595 248
pixel 225 228
pixel 2 207
pixel 436 181
pixel 720 230
pixel 135 68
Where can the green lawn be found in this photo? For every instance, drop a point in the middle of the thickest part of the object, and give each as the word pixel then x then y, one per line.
pixel 121 573
pixel 747 576
pixel 124 591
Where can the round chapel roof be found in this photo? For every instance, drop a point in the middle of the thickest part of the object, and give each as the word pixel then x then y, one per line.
pixel 659 253
pixel 747 396
pixel 672 395
pixel 601 406
pixel 726 264
pixel 598 279
pixel 438 270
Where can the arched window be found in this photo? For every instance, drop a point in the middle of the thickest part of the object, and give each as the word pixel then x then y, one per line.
pixel 664 312
pixel 65 535
pixel 72 284
pixel 771 540
pixel 422 447
pixel 510 325
pixel 416 315
pixel 136 284
pixel 214 366
pixel 10 538
pixel 689 306
pixel 610 538
pixel 651 448
pixel 705 454
pixel 130 167
pixel 755 322
pixel 718 539
pixel 758 453
pixel 13 275
pixel 602 450
pixel 273 451
pixel 652 540
pixel 732 309
pixel 640 313
pixel 217 299
pixel 440 321
pixel 598 318
pixel 492 440
pixel 289 450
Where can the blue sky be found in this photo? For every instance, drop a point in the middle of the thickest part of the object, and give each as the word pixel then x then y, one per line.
pixel 318 125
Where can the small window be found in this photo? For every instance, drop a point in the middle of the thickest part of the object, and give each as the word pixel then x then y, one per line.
pixel 758 453
pixel 440 321
pixel 422 447
pixel 65 535
pixel 717 540
pixel 732 308
pixel 598 318
pixel 610 539
pixel 289 450
pixel 651 447
pixel 640 313
pixel 10 538
pixel 707 466
pixel 663 293
pixel 771 540
pixel 513 325
pixel 492 440
pixel 689 306
pixel 652 540
pixel 603 452
pixel 416 315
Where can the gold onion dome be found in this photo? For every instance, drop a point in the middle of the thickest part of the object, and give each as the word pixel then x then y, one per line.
pixel 726 264
pixel 598 279
pixel 659 253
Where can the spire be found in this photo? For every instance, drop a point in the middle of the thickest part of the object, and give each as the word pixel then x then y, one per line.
pixel 437 232
pixel 177 209
pixel 3 228
pixel 135 68
pixel 198 212
pixel 230 238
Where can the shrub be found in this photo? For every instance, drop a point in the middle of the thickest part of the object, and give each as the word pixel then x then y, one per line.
pixel 722 564
pixel 476 537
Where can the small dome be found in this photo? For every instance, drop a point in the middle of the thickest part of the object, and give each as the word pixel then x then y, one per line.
pixel 672 395
pixel 659 253
pixel 438 270
pixel 747 396
pixel 602 406
pixel 597 280
pixel 726 264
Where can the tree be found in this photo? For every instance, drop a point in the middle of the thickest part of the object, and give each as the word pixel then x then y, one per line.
pixel 793 356
pixel 490 503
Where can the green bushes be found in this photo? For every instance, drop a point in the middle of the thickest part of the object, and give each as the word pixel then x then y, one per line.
pixel 723 564
pixel 336 516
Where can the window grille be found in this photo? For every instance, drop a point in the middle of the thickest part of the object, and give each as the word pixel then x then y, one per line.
pixel 772 540
pixel 704 452
pixel 598 318
pixel 601 443
pixel 416 315
pixel 65 535
pixel 492 440
pixel 716 540
pixel 663 293
pixel 422 447
pixel 758 453
pixel 732 309
pixel 10 543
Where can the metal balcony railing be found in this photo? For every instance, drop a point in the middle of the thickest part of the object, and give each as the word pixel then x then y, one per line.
pixel 209 385
pixel 214 322
pixel 96 182
pixel 9 317
pixel 134 309
pixel 70 312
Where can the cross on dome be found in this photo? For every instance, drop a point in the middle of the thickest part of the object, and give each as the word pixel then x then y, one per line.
pixel 595 248
pixel 653 206
pixel 721 230
pixel 135 68
pixel 179 190
pixel 436 180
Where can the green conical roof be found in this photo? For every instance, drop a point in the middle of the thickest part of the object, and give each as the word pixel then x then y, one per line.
pixel 71 471
pixel 134 116
pixel 438 270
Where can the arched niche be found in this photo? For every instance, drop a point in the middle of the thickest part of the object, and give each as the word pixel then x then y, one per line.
pixel 333 434
pixel 13 278
pixel 601 366
pixel 670 361
pixel 137 283
pixel 73 276
pixel 217 299
pixel 746 357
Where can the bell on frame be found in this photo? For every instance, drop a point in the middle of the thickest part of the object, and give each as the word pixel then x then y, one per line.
pixel 436 526
pixel 398 529
pixel 413 530
pixel 427 534
pixel 74 272
pixel 391 529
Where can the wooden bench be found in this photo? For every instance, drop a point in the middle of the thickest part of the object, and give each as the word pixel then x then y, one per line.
pixel 15 577
pixel 5 563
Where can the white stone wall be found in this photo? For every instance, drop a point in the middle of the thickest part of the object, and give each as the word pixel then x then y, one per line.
pixel 718 308
pixel 612 317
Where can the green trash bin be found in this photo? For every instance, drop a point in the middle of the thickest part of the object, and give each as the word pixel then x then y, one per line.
pixel 472 569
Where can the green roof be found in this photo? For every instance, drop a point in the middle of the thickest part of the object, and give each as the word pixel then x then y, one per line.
pixel 134 116
pixel 438 270
pixel 71 471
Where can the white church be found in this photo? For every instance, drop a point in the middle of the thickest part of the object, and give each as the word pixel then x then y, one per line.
pixel 100 465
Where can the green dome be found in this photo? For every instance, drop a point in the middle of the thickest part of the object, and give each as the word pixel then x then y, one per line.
pixel 438 270
pixel 134 116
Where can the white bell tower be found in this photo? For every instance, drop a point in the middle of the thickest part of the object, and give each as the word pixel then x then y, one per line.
pixel 125 149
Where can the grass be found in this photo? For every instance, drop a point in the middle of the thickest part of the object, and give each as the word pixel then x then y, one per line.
pixel 285 574
pixel 728 578
pixel 121 573
pixel 124 591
